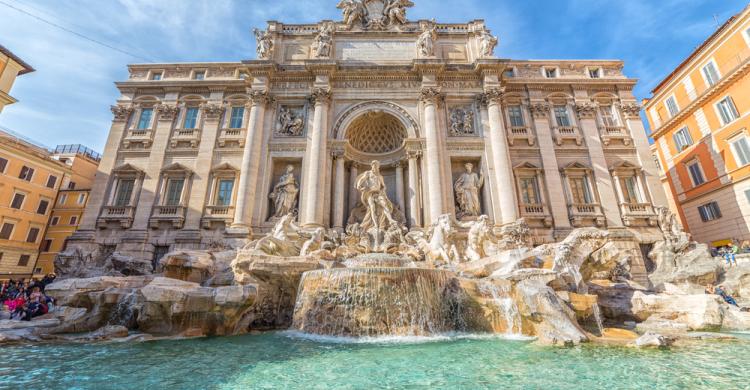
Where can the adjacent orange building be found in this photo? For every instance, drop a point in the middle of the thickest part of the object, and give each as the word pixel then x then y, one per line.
pixel 10 67
pixel 699 116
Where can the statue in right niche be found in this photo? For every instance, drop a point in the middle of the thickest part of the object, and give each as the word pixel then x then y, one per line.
pixel 467 188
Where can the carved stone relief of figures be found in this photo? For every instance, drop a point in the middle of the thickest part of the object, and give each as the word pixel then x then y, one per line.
pixel 374 14
pixel 284 194
pixel 291 121
pixel 462 121
pixel 487 43
pixel 323 42
pixel 395 11
pixel 353 11
pixel 467 188
pixel 426 41
pixel 264 43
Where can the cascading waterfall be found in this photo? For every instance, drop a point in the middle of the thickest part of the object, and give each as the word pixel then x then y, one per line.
pixel 125 310
pixel 505 304
pixel 369 302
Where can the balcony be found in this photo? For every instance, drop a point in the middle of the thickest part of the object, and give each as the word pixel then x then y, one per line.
pixel 521 132
pixel 171 214
pixel 141 137
pixel 615 133
pixel 536 212
pixel 120 214
pixel 185 138
pixel 213 214
pixel 638 214
pixel 585 214
pixel 231 138
pixel 567 133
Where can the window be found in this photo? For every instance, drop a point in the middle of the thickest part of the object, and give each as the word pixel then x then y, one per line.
pixel 46 245
pixel 156 76
pixel 124 191
pixel 3 164
pixel 727 110
pixel 6 231
pixel 33 235
pixel 145 119
pixel 42 209
pixel 23 260
pixel 741 149
pixel 516 116
pixel 51 181
pixel 509 73
pixel 595 73
pixel 658 164
pixel 682 139
pixel 72 185
pixel 696 173
pixel 81 198
pixel 199 75
pixel 711 74
pixel 17 202
pixel 561 116
pixel 224 192
pixel 630 192
pixel 235 119
pixel 191 117
pixel 671 104
pixel 73 220
pixel 63 198
pixel 608 116
pixel 174 192
pixel 709 211
pixel 580 190
pixel 550 73
pixel 26 173
pixel 530 190
pixel 54 221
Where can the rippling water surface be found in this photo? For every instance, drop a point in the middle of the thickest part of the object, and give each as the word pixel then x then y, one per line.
pixel 281 360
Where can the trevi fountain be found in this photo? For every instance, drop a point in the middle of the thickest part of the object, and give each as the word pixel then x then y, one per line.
pixel 505 256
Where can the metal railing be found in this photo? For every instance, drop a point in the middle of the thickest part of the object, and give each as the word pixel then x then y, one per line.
pixel 77 149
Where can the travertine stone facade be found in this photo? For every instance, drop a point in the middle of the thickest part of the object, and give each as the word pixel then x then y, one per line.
pixel 195 149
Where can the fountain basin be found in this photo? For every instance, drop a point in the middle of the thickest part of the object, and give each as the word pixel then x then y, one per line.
pixel 371 302
pixel 378 260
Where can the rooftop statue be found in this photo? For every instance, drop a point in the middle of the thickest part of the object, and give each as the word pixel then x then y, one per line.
pixel 374 14
pixel 426 41
pixel 321 46
pixel 353 11
pixel 487 43
pixel 264 44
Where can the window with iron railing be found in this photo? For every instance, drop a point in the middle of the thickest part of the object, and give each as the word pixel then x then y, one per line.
pixel 124 192
pixel 561 116
pixel 516 116
pixel 235 119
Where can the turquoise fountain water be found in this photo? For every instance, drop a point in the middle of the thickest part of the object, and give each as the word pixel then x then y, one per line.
pixel 278 360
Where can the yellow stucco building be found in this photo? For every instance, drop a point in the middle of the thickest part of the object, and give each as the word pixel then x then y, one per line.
pixel 700 121
pixel 10 67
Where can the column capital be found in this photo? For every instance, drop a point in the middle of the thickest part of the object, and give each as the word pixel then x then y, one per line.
pixel 337 154
pixel 493 95
pixel 396 164
pixel 212 111
pixel 259 97
pixel 586 110
pixel 430 95
pixel 167 112
pixel 539 109
pixel 320 95
pixel 630 110
pixel 121 112
pixel 413 154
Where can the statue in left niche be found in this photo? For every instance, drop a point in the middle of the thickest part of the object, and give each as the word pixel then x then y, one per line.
pixel 284 194
pixel 354 11
pixel 264 43
pixel 467 188
pixel 323 42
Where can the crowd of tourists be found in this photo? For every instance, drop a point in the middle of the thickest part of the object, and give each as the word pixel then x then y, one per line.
pixel 25 300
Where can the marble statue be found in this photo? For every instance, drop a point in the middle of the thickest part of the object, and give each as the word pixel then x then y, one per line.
pixel 480 235
pixel 353 11
pixel 372 189
pixel 462 121
pixel 264 44
pixel 281 240
pixel 290 123
pixel 395 11
pixel 284 194
pixel 439 247
pixel 426 41
pixel 317 244
pixel 467 188
pixel 321 46
pixel 487 43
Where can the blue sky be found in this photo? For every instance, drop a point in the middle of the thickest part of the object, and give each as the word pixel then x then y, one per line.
pixel 67 99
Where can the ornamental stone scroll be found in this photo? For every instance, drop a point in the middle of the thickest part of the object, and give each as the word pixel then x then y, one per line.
pixel 121 112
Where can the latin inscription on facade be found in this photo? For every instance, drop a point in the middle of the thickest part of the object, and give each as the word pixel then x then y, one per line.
pixel 393 51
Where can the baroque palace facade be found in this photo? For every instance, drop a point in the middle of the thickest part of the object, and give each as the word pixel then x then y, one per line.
pixel 204 153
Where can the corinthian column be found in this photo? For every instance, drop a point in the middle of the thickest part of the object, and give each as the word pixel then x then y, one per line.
pixel 400 186
pixel 312 210
pixel 250 164
pixel 353 192
pixel 414 215
pixel 501 157
pixel 338 194
pixel 430 98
